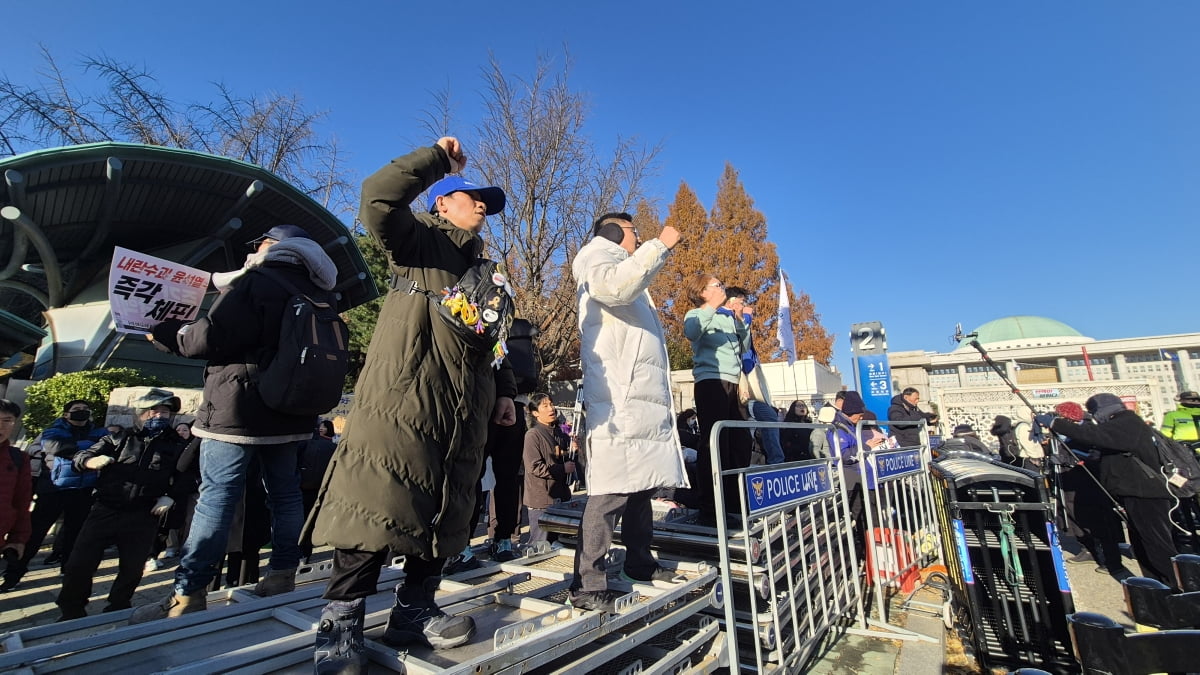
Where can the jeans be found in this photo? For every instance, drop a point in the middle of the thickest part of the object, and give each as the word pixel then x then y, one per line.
pixel 223 479
pixel 763 412
pixel 600 516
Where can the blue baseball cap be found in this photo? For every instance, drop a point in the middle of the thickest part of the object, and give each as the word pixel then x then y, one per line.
pixel 493 197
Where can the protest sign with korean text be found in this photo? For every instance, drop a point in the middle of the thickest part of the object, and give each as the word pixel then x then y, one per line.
pixel 144 291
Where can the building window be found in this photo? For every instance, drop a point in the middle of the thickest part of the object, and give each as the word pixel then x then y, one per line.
pixel 1143 358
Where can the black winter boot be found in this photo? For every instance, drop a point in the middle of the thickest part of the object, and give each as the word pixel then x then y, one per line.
pixel 416 618
pixel 339 643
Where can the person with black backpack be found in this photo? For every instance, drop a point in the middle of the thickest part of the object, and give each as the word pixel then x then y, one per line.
pixel 250 340
pixel 403 478
pixel 1131 470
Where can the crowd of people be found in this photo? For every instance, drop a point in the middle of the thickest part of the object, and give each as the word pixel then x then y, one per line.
pixel 434 402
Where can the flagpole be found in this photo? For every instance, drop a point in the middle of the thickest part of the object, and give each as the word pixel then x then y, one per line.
pixel 785 334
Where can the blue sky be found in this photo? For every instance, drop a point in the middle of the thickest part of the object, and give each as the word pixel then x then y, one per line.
pixel 919 163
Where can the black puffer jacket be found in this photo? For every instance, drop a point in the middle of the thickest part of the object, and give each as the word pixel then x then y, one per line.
pixel 1119 440
pixel 142 471
pixel 903 411
pixel 238 337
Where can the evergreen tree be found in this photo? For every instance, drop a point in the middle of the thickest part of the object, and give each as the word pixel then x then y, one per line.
pixel 731 244
pixel 687 215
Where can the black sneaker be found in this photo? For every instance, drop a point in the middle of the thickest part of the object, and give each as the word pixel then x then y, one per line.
pixel 457 563
pixel 339 641
pixel 502 551
pixel 53 559
pixel 661 575
pixel 416 619
pixel 603 601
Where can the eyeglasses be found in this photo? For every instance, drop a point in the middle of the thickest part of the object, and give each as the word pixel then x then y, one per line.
pixel 636 235
pixel 717 284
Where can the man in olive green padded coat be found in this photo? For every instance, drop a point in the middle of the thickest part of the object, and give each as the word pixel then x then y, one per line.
pixel 402 481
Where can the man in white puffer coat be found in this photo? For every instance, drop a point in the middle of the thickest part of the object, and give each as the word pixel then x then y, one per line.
pixel 631 445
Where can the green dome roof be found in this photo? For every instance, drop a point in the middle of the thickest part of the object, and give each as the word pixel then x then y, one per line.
pixel 1026 331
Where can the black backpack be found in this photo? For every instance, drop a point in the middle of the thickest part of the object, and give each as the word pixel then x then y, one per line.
pixel 1176 458
pixel 521 356
pixel 308 371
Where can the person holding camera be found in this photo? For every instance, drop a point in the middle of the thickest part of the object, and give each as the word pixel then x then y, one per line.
pixel 1129 469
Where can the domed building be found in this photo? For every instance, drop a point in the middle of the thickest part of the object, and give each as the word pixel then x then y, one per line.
pixel 1049 362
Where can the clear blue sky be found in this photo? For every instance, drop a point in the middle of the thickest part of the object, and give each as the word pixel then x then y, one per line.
pixel 919 163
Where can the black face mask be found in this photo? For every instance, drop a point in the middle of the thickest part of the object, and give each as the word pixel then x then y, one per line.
pixel 79 415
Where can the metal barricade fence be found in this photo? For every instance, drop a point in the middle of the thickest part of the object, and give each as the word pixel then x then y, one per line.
pixel 902 534
pixel 805 580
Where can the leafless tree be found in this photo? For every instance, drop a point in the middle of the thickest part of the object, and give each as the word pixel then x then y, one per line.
pixel 274 131
pixel 532 142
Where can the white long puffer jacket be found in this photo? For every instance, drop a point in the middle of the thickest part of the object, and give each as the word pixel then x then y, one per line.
pixel 631 440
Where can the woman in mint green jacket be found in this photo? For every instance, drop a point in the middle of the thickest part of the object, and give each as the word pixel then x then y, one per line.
pixel 718 339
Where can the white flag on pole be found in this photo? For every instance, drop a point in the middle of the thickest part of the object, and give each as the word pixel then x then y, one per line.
pixel 783 322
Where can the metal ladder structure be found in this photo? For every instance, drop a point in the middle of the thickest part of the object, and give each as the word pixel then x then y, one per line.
pixel 523 624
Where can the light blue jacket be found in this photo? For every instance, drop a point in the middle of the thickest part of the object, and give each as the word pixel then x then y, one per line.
pixel 718 341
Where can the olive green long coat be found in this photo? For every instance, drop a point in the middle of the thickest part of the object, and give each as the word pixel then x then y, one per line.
pixel 404 475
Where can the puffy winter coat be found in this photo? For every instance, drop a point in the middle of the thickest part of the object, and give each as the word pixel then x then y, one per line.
pixel 238 337
pixel 60 441
pixel 403 476
pixel 903 411
pixel 630 439
pixel 142 471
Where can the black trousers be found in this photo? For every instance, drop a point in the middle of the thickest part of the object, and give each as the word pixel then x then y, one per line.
pixel 1150 535
pixel 505 446
pixel 717 400
pixel 72 505
pixel 356 573
pixel 600 515
pixel 133 533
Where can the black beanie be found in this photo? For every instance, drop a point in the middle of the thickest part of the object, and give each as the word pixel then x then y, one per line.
pixel 1103 406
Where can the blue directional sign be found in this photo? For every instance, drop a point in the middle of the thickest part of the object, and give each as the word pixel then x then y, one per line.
pixel 868 346
pixel 774 488
pixel 875 383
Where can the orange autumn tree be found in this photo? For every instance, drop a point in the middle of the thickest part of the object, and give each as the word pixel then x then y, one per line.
pixel 731 244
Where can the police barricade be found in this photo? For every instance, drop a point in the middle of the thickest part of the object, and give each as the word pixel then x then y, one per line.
pixel 780 606
pixel 902 536
pixel 1008 567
